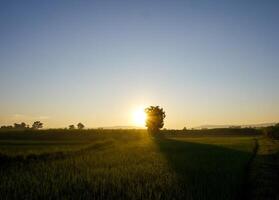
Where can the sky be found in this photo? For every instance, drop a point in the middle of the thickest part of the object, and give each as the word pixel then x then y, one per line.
pixel 97 62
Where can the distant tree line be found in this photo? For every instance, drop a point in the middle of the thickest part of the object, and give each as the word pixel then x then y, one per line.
pixel 80 126
pixel 38 125
pixel 23 125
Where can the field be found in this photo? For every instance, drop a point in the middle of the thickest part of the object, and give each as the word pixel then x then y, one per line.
pixel 127 164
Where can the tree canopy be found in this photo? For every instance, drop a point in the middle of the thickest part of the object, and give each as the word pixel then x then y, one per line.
pixel 71 127
pixel 154 118
pixel 80 126
pixel 37 125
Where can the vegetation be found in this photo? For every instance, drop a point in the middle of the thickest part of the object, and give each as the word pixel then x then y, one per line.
pixel 80 126
pixel 23 125
pixel 264 173
pixel 217 131
pixel 154 118
pixel 37 125
pixel 20 126
pixel 272 131
pixel 125 164
pixel 71 127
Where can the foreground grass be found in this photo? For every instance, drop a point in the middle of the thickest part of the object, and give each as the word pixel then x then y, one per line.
pixel 264 175
pixel 121 165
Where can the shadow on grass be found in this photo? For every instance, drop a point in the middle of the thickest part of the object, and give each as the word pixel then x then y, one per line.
pixel 6 160
pixel 207 171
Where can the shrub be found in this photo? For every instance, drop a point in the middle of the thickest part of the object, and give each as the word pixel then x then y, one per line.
pixel 272 131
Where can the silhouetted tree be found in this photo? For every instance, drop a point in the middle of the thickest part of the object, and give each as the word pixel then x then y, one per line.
pixel 80 126
pixel 154 118
pixel 37 125
pixel 71 127
pixel 16 125
pixel 22 125
pixel 7 127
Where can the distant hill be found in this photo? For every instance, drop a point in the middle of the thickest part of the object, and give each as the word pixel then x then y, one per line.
pixel 229 126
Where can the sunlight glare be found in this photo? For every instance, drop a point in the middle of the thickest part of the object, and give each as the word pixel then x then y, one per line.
pixel 139 116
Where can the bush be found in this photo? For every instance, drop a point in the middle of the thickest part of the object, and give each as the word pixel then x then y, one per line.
pixel 272 131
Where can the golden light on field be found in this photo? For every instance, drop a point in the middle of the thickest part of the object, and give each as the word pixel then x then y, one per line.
pixel 139 116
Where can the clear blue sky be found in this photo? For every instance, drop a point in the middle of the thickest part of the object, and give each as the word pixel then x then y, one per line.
pixel 204 62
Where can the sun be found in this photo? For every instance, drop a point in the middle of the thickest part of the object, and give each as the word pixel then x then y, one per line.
pixel 139 116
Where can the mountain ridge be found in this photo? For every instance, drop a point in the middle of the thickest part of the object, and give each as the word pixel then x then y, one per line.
pixel 210 126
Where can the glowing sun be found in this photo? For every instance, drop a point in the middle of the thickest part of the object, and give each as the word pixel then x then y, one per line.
pixel 139 116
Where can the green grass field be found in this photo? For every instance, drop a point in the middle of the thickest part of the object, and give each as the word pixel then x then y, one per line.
pixel 123 164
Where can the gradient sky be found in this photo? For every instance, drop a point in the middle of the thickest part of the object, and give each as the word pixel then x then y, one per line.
pixel 204 62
